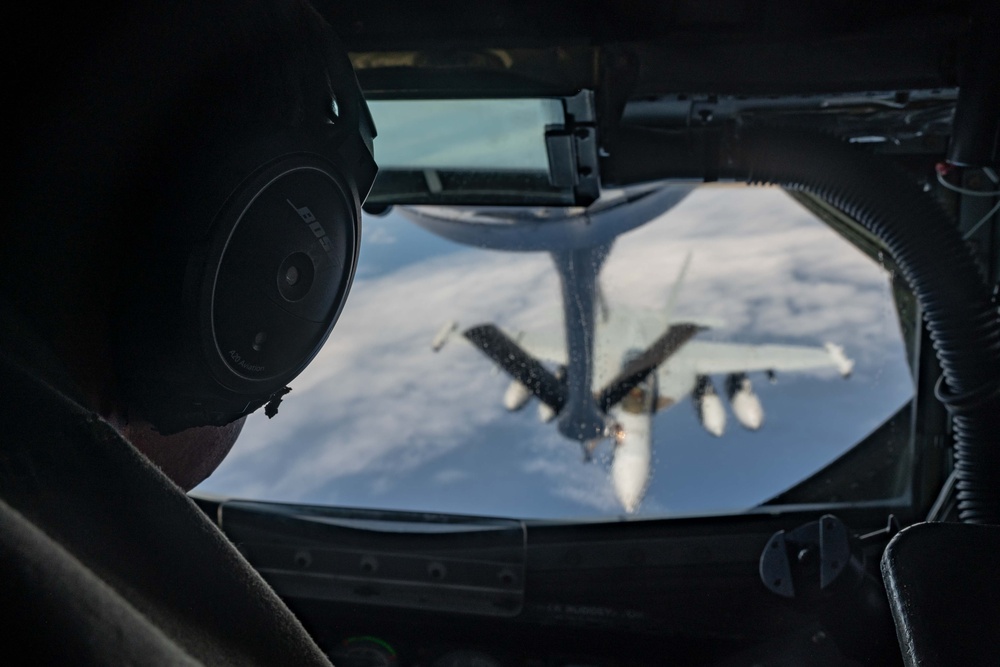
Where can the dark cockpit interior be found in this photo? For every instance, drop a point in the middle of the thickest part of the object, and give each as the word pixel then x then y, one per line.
pixel 881 120
pixel 739 260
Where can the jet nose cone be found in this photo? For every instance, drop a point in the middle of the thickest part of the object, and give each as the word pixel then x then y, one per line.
pixel 630 505
pixel 630 477
pixel 629 495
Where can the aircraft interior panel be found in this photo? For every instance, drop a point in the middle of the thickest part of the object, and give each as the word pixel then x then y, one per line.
pixel 595 162
pixel 673 334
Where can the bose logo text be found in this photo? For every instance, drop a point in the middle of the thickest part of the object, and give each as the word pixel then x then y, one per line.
pixel 317 229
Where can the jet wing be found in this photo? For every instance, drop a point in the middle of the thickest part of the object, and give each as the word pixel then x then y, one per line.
pixel 545 344
pixel 700 357
pixel 649 323
pixel 655 356
pixel 518 364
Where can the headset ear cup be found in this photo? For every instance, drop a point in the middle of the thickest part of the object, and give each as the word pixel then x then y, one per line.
pixel 233 316
pixel 253 220
pixel 166 113
pixel 282 275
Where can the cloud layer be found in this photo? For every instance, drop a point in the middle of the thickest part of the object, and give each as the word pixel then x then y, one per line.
pixel 380 420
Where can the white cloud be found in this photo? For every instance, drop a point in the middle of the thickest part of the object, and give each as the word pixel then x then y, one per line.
pixel 379 235
pixel 450 475
pixel 378 405
pixel 559 465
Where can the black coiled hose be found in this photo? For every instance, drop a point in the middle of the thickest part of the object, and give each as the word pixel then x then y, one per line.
pixel 936 263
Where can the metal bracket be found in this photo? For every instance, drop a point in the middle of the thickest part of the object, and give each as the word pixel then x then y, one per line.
pixel 431 562
pixel 572 149
pixel 820 547
pixel 822 567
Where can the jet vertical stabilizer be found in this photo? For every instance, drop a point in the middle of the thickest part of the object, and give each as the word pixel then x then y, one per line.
pixel 676 289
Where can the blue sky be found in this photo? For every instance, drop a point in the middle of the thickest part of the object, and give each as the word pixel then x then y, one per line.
pixel 379 420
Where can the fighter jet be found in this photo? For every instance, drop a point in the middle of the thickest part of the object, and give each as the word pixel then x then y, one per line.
pixel 610 368
pixel 637 373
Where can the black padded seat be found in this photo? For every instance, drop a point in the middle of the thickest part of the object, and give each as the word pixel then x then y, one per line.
pixel 943 583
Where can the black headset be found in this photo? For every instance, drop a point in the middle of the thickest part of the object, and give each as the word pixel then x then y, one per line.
pixel 250 262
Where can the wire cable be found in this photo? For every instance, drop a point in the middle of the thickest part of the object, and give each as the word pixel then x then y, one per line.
pixel 967 235
pixel 937 264
pixel 966 191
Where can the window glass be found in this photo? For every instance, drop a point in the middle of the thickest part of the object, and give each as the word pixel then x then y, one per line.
pixel 380 419
pixel 464 134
